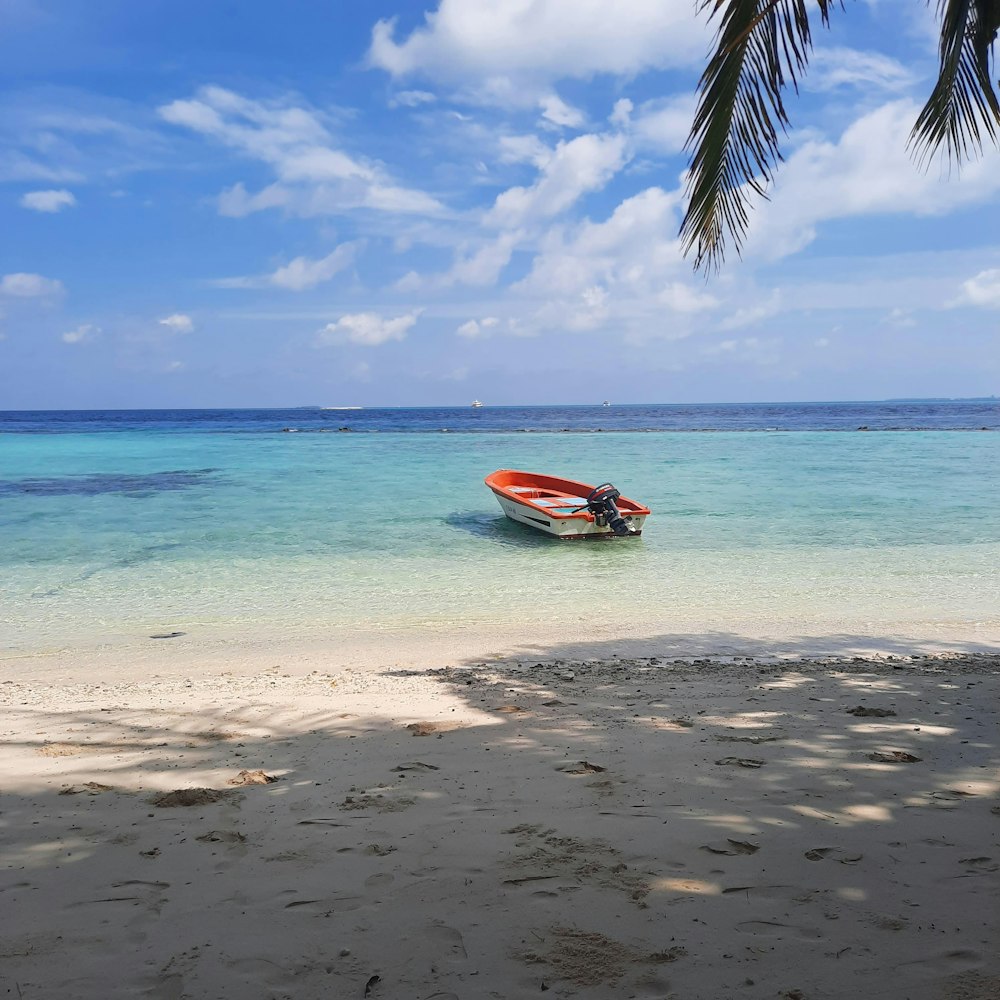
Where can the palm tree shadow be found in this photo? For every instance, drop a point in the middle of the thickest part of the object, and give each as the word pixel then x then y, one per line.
pixel 629 783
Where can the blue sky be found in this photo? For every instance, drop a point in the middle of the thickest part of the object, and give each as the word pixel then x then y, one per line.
pixel 262 204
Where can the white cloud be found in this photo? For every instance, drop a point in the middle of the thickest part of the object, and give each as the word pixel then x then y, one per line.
pixel 900 318
pixel 663 125
pixel 305 273
pixel 178 323
pixel 684 297
pixel 411 99
pixel 300 273
pixel 313 176
pixel 722 347
pixel 573 168
pixel 624 274
pixel 410 282
pixel 558 112
pixel 982 290
pixel 834 67
pixel 474 329
pixel 54 136
pixel 47 201
pixel 29 286
pixel 748 350
pixel 16 165
pixel 539 40
pixel 236 202
pixel 524 149
pixel 867 171
pixel 621 114
pixel 368 329
pixel 635 247
pixel 83 333
pixel 483 266
pixel 751 314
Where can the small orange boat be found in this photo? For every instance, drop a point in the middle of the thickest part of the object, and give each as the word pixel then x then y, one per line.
pixel 565 508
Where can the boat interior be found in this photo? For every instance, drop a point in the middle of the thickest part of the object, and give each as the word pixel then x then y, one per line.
pixel 561 503
pixel 559 497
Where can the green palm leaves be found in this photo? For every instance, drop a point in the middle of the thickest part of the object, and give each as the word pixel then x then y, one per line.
pixel 763 48
pixel 963 103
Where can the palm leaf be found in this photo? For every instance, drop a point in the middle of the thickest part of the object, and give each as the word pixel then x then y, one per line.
pixel 762 47
pixel 963 105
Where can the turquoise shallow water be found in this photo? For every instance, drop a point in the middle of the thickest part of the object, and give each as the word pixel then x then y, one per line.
pixel 811 531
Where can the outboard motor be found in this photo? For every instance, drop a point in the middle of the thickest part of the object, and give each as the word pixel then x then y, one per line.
pixel 601 503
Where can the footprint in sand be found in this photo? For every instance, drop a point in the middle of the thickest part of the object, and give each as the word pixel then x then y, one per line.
pixel 681 722
pixel 87 788
pixel 543 855
pixel 894 757
pixel 584 958
pixel 191 797
pixel 377 800
pixel 764 891
pixel 252 778
pixel 755 740
pixel 945 963
pixel 581 767
pixel 432 728
pixel 222 837
pixel 832 854
pixel 445 940
pixel 210 736
pixel 59 749
pixel 952 795
pixel 323 905
pixel 135 892
pixel 380 850
pixel 731 847
pixel 769 928
pixel 741 762
pixel 983 864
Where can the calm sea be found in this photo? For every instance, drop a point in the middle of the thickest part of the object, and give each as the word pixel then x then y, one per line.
pixel 767 518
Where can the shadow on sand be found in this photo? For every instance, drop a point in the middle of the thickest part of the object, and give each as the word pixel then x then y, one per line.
pixel 573 821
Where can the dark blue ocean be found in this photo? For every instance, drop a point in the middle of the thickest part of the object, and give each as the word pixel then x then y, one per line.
pixel 901 415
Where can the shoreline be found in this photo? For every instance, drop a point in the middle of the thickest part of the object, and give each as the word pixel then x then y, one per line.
pixel 180 648
pixel 695 828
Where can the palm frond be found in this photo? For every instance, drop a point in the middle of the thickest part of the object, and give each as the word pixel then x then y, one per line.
pixel 963 105
pixel 762 47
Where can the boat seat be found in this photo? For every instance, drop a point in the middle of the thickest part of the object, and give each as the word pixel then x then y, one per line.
pixel 559 502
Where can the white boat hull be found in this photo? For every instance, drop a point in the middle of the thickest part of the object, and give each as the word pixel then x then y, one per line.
pixel 564 527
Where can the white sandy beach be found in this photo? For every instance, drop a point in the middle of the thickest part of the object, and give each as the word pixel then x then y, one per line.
pixel 600 826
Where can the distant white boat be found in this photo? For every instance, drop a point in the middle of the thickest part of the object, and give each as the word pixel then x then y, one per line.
pixel 606 403
pixel 476 402
pixel 341 407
